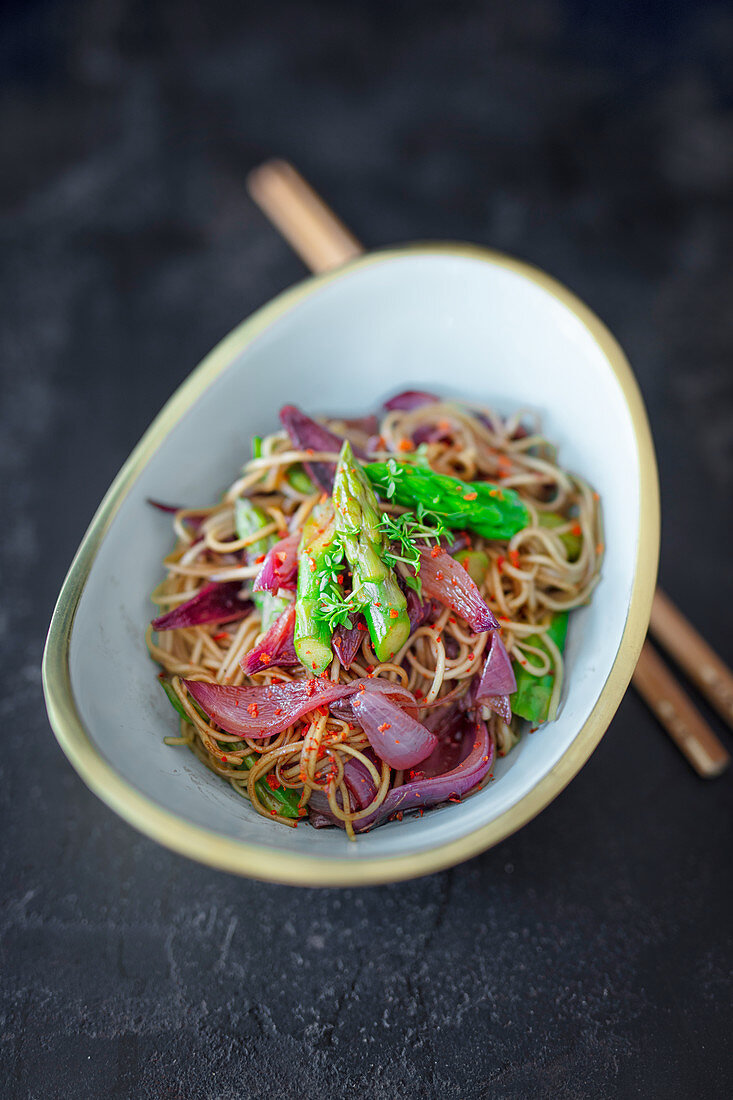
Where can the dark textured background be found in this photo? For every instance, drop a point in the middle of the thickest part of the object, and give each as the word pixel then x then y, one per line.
pixel 588 956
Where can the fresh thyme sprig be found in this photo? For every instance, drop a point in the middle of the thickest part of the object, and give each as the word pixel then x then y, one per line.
pixel 333 607
pixel 405 532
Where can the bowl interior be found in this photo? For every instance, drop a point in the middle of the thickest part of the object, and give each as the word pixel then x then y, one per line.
pixel 463 325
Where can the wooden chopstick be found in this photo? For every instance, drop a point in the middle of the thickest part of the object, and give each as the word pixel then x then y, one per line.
pixel 307 224
pixel 679 716
pixel 710 675
pixel 323 242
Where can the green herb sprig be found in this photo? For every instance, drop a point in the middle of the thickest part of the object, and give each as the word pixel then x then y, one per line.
pixel 405 532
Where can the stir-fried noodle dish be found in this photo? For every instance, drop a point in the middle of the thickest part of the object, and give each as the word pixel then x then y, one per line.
pixel 375 608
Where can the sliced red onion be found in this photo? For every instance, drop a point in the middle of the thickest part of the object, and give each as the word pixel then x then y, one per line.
pixel 360 785
pixel 396 737
pixel 215 603
pixel 497 677
pixel 171 508
pixel 500 705
pixel 452 730
pixel 193 521
pixel 276 649
pixel 267 709
pixel 280 567
pixel 308 435
pixel 347 642
pixel 445 579
pixel 422 793
pixel 418 610
pixel 365 425
pixel 409 400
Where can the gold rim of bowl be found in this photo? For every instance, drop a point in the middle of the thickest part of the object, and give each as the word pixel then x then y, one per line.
pixel 259 861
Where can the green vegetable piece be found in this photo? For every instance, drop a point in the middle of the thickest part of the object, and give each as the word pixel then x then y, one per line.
pixel 573 543
pixel 256 446
pixel 282 800
pixel 312 631
pixel 532 697
pixel 480 506
pixel 476 563
pixel 299 480
pixel 359 524
pixel 248 519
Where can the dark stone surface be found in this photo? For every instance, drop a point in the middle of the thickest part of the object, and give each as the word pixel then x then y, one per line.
pixel 588 956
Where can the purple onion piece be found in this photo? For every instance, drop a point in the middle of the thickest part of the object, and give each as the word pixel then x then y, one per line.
pixel 307 435
pixel 170 508
pixel 409 400
pixel 276 649
pixel 423 793
pixel 497 676
pixel 215 603
pixel 452 729
pixel 500 705
pixel 280 567
pixel 263 710
pixel 396 737
pixel 360 785
pixel 347 642
pixel 445 579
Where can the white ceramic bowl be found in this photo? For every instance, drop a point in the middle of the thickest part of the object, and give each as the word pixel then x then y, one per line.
pixel 458 319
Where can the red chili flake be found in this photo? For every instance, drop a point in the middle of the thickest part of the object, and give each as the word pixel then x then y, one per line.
pixel 278 710
pixel 500 563
pixel 576 529
pixel 312 564
pixel 370 668
pixel 272 782
pixel 221 636
pixel 265 658
pixel 361 687
pixel 471 656
pixel 315 665
pixel 439 575
pixel 310 687
pixel 384 726
pixel 454 798
pixel 470 496
pixel 417 693
pixel 453 580
pixel 273 813
pixel 253 709
pixel 398 815
pixel 514 558
pixel 260 559
pixel 405 444
pixel 377 603
pixel 309 451
pixel 435 552
pixel 223 759
pixel 340 578
pixel 361 626
pixel 393 614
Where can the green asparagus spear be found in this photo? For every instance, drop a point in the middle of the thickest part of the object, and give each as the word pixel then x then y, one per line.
pixel 298 478
pixel 248 518
pixel 532 697
pixel 281 801
pixel 358 522
pixel 572 541
pixel 488 509
pixel 312 631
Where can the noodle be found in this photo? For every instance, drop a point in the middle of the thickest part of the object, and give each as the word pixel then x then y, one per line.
pixel 529 577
